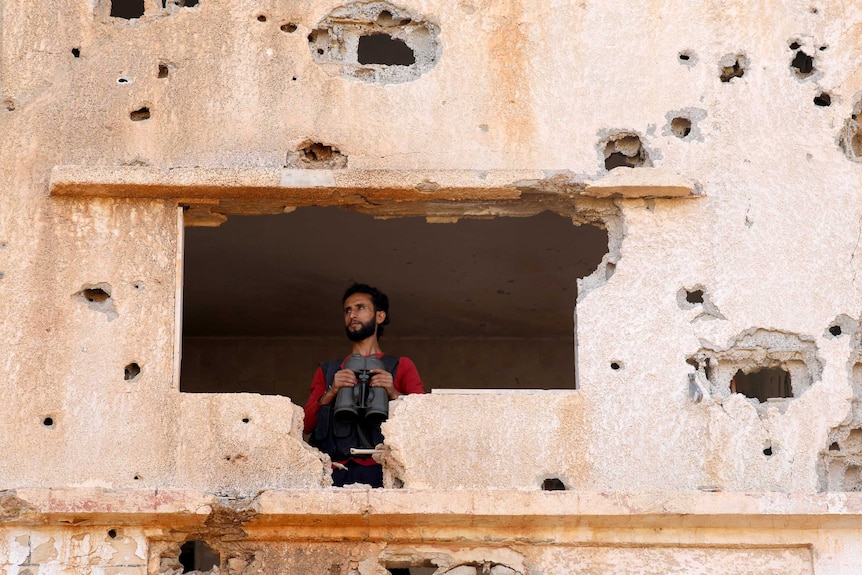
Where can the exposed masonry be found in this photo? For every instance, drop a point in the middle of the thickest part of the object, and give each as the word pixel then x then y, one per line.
pixel 696 297
pixel 375 42
pixel 117 11
pixel 314 155
pixel 98 298
pixel 684 123
pixel 732 66
pixel 850 138
pixel 839 467
pixel 756 350
pixel 623 149
pixel 804 51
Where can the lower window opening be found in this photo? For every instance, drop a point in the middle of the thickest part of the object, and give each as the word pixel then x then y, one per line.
pixel 198 556
pixel 475 304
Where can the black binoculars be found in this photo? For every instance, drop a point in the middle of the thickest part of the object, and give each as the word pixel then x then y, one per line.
pixel 362 400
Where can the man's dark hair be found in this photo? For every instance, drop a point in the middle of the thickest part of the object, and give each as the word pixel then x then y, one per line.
pixel 378 300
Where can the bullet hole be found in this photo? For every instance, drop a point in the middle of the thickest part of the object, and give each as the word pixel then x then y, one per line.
pixel 822 99
pixel 261 18
pixel 289 28
pixel 835 330
pixel 9 104
pixel 128 9
pixel 137 477
pixel 553 484
pixel 138 286
pixel 767 451
pixel 48 422
pixel 112 533
pixel 794 45
pixel 823 48
pixel 245 420
pixel 164 71
pixel 762 384
pixel 681 127
pixel 834 446
pixel 76 52
pixel 687 58
pixel 131 372
pixel 315 155
pixel 694 296
pixel 122 80
pixel 732 66
pixel 293 79
pixel 98 298
pixel 803 64
pixel 140 114
pixel 96 295
pixel 616 366
pixel 375 42
pixel 385 50
pixel 813 10
pixel 624 150
pixel 197 556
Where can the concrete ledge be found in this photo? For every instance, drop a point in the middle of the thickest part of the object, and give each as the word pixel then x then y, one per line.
pixel 362 512
pixel 634 182
pixel 319 187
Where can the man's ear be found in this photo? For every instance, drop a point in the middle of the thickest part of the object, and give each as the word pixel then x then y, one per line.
pixel 380 316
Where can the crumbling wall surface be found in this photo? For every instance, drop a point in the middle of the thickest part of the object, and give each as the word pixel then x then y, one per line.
pixel 370 532
pixel 757 103
pixel 27 550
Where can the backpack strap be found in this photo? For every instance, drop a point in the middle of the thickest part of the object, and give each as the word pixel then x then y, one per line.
pixel 330 368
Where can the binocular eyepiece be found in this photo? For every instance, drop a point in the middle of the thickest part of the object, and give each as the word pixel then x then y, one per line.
pixel 362 400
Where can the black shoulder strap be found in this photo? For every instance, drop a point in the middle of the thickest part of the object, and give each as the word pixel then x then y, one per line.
pixel 330 368
pixel 390 363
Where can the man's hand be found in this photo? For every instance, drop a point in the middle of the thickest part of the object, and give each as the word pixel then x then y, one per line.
pixel 343 378
pixel 383 378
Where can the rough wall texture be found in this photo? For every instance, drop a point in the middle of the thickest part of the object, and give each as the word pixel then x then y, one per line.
pixel 755 103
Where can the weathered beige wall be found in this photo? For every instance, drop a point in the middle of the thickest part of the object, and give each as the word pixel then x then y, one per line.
pixel 772 243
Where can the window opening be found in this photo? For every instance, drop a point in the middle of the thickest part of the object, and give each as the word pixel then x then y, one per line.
pixel 475 304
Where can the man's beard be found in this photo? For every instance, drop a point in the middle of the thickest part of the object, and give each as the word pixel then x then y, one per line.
pixel 367 330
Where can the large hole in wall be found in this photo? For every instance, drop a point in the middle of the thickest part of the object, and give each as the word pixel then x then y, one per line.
pixel 475 304
pixel 768 367
pixel 375 42
pixel 839 467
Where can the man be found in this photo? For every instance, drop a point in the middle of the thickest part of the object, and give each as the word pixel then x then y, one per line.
pixel 366 311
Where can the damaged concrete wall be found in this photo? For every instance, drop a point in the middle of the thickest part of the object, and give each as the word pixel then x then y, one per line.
pixel 756 103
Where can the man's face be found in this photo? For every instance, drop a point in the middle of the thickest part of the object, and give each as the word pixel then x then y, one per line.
pixel 360 319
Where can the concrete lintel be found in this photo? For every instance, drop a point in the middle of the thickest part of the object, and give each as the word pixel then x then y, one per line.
pixel 319 187
pixel 366 510
pixel 641 183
